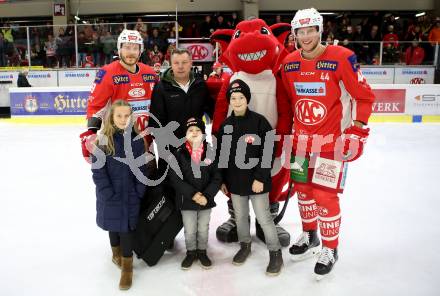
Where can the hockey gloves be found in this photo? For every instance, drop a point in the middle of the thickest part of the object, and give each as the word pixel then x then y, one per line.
pixel 354 139
pixel 87 139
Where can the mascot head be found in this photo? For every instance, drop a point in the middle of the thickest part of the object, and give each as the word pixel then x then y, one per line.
pixel 253 46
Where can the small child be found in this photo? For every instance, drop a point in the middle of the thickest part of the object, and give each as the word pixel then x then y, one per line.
pixel 196 191
pixel 248 183
pixel 118 191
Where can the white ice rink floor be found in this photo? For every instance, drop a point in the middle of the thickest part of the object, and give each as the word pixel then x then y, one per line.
pixel 50 244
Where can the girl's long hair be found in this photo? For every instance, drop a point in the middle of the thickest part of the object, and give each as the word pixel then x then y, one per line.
pixel 105 140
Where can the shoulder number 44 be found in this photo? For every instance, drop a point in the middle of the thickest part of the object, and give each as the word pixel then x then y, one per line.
pixel 325 76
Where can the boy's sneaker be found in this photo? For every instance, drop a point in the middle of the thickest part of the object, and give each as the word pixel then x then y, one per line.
pixel 275 263
pixel 305 246
pixel 326 261
pixel 191 256
pixel 204 259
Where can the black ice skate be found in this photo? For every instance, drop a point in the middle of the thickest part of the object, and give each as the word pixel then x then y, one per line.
pixel 227 232
pixel 283 235
pixel 326 261
pixel 306 246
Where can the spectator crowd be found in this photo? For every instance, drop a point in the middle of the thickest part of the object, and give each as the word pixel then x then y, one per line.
pixel 408 41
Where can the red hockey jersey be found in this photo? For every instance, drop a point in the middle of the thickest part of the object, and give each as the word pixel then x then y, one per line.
pixel 113 82
pixel 327 94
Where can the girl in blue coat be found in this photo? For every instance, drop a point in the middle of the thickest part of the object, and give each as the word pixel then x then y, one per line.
pixel 118 190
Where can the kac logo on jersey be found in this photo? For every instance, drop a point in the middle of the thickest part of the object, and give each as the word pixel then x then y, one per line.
pixel 327 65
pixel 99 76
pixel 121 79
pixel 310 112
pixel 292 67
pixel 149 77
pixel 136 92
pixel 311 89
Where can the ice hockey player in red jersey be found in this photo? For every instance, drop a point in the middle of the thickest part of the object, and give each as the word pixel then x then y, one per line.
pixel 332 103
pixel 124 79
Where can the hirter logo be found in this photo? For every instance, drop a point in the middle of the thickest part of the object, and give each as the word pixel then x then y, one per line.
pixel 304 21
pixel 310 112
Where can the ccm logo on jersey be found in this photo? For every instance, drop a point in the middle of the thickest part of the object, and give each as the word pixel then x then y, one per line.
pixel 311 89
pixel 136 92
pixel 121 79
pixel 310 112
pixel 327 65
pixel 292 67
pixel 148 78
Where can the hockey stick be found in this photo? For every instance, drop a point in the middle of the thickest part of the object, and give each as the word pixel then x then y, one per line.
pixel 283 210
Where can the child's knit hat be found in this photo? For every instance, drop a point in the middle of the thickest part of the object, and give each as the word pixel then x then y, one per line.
pixel 238 85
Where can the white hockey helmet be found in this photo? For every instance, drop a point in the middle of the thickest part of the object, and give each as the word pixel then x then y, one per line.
pixel 309 17
pixel 130 36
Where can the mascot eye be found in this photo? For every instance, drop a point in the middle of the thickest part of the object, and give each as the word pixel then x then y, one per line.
pixel 264 31
pixel 237 34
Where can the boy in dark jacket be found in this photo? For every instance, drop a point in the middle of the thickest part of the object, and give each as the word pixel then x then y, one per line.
pixel 247 173
pixel 196 191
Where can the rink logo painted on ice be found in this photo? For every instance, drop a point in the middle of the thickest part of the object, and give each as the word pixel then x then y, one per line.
pixel 311 89
pixel 292 67
pixel 310 112
pixel 136 92
pixel 389 101
pixel 121 79
pixel 30 104
pixel 327 65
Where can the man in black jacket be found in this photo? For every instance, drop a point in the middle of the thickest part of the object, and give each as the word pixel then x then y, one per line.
pixel 22 79
pixel 179 95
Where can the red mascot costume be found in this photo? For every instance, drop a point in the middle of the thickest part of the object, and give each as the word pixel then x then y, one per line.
pixel 254 51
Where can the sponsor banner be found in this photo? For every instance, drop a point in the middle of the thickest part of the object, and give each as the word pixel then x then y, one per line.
pixel 48 101
pixel 389 101
pixel 423 99
pixel 76 77
pixel 414 75
pixel 378 75
pixel 201 52
pixel 9 76
pixel 42 78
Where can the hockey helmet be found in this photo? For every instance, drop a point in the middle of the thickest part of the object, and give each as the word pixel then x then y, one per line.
pixel 309 17
pixel 130 36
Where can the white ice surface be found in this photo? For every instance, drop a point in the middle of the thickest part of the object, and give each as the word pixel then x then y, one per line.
pixel 50 244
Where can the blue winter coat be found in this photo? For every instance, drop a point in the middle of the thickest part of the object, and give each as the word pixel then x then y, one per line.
pixel 118 192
